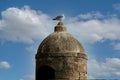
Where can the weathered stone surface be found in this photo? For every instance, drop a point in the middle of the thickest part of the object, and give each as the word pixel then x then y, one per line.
pixel 60 42
pixel 61 55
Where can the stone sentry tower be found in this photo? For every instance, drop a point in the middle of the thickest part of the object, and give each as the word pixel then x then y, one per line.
pixel 61 57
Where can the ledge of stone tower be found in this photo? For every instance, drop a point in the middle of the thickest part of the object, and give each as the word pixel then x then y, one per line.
pixel 60 27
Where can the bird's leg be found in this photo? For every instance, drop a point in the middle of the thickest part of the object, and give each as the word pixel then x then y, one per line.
pixel 60 20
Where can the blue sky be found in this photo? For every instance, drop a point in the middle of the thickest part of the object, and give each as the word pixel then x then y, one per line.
pixel 25 23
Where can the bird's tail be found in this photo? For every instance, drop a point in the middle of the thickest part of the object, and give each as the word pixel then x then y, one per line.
pixel 54 19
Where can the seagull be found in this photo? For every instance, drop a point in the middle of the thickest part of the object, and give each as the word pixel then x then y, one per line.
pixel 59 18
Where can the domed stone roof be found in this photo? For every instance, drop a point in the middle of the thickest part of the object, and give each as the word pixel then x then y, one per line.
pixel 60 41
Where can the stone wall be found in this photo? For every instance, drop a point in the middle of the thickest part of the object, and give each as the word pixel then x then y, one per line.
pixel 70 67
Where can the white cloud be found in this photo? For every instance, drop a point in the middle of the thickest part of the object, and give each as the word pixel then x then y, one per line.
pixel 27 25
pixel 95 30
pixel 92 15
pixel 24 25
pixel 110 67
pixel 4 65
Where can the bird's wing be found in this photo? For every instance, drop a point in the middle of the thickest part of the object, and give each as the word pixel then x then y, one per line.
pixel 58 17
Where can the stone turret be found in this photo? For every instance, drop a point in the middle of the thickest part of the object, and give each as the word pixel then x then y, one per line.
pixel 61 57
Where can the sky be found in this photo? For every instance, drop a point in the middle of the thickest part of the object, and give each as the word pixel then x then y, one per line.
pixel 25 23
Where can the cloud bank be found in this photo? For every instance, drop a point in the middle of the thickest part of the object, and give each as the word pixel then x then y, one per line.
pixel 95 30
pixel 27 25
pixel 23 25
pixel 110 67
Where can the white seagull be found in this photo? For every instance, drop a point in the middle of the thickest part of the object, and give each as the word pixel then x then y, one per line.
pixel 59 18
